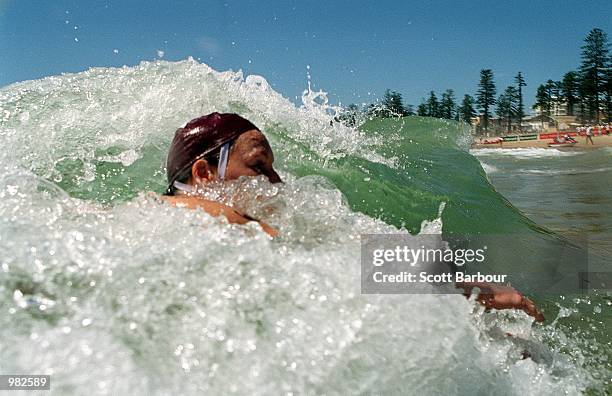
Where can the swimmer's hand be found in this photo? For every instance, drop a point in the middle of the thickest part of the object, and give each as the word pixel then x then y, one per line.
pixel 501 297
pixel 214 208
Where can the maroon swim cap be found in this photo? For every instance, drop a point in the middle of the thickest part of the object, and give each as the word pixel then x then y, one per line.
pixel 200 137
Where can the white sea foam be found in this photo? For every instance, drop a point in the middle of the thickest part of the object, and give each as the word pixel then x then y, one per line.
pixel 523 152
pixel 570 171
pixel 489 168
pixel 143 298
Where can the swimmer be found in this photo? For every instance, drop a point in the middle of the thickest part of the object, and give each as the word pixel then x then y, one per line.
pixel 216 147
pixel 219 147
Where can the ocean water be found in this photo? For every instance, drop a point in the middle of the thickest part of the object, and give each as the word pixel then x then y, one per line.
pixel 111 292
pixel 569 192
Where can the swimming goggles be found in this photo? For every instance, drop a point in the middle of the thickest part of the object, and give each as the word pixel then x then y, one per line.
pixel 222 168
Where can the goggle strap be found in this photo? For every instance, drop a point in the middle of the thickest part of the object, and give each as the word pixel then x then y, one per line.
pixel 223 157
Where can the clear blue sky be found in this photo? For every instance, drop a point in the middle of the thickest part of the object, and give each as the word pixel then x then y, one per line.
pixel 355 49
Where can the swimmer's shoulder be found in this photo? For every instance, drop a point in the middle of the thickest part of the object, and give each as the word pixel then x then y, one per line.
pixel 193 202
pixel 214 208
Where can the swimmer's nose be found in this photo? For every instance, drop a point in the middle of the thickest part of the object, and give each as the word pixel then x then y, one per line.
pixel 273 177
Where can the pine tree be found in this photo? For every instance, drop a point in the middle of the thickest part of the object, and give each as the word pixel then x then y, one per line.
pixel 544 100
pixel 397 104
pixel 520 110
pixel 433 106
pixel 541 102
pixel 485 96
pixel 447 104
pixel 393 104
pixel 569 91
pixel 422 109
pixel 466 110
pixel 385 112
pixel 594 69
pixel 507 106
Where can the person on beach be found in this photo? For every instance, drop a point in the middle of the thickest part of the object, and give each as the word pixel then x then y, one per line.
pixel 221 147
pixel 589 135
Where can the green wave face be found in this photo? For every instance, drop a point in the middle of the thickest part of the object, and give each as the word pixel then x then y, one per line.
pixel 95 271
pixel 430 166
pixel 415 165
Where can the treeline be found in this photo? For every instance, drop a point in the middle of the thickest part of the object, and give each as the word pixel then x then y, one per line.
pixel 589 88
pixel 392 105
pixel 510 106
pixel 447 108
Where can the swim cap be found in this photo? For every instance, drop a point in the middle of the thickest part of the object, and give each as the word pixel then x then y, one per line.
pixel 202 136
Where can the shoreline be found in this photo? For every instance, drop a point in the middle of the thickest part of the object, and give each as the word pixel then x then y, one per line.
pixel 599 142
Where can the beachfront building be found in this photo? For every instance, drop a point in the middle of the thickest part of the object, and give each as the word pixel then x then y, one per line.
pixel 557 119
pixel 564 117
pixel 540 123
pixel 498 126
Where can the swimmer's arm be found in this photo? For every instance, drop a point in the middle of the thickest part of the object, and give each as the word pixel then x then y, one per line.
pixel 216 209
pixel 501 297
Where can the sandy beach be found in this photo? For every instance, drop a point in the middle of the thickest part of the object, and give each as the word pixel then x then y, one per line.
pixel 599 141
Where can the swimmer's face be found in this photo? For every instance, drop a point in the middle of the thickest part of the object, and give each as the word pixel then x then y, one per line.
pixel 250 155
